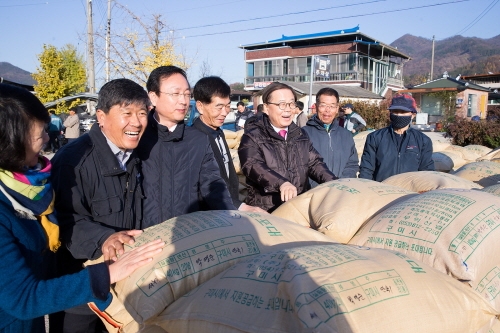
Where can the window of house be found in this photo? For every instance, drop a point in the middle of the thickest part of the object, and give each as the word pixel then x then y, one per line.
pixel 472 105
pixel 431 105
pixel 250 69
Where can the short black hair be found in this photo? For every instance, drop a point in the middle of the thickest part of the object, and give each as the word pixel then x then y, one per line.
pixel 19 108
pixel 210 86
pixel 160 73
pixel 240 103
pixel 267 91
pixel 122 92
pixel 260 108
pixel 328 92
pixel 300 105
pixel 52 112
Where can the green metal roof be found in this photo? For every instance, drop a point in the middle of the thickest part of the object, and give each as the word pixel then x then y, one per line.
pixel 450 83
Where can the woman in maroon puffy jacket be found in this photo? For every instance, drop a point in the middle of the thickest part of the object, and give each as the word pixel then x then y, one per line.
pixel 276 157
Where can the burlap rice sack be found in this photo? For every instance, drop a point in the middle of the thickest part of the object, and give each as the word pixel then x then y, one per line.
pixel 199 246
pixel 494 154
pixel 484 173
pixel 492 327
pixel 438 145
pixel 456 157
pixel 331 288
pixel 231 143
pixel 442 162
pixel 493 189
pixel 465 153
pixel 230 134
pixel 423 181
pixel 454 230
pixel 338 208
pixel 478 150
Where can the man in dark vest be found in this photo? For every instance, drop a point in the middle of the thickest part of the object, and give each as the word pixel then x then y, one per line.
pixel 212 101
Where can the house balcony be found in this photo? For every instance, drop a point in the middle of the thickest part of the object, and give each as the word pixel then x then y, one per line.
pixel 335 78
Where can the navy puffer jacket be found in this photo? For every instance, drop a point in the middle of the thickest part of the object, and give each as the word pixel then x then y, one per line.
pixel 382 158
pixel 180 173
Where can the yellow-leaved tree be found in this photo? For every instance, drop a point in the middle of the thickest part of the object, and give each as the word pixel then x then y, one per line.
pixel 139 48
pixel 61 73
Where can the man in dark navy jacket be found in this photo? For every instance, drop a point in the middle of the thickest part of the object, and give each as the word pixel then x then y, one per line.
pixel 212 101
pixel 397 148
pixel 178 165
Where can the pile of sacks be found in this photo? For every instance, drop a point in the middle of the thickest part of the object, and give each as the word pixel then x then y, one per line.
pixel 233 140
pixel 351 255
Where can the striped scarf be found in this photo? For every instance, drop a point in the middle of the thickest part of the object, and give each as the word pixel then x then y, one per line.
pixel 33 191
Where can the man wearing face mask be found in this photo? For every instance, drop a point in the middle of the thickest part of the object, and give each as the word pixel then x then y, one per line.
pixel 397 148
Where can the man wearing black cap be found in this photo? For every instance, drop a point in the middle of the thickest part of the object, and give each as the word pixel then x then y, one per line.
pixel 397 148
pixel 353 122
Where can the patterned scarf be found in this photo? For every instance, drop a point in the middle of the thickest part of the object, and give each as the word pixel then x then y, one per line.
pixel 33 191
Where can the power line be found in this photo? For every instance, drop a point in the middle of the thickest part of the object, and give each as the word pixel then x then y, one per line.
pixel 477 19
pixel 281 15
pixel 219 4
pixel 27 4
pixel 324 20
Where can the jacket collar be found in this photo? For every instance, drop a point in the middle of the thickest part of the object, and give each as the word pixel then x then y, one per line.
pixel 265 124
pixel 163 131
pixel 318 124
pixel 200 125
pixel 108 163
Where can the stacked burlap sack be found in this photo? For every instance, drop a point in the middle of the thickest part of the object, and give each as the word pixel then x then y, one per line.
pixel 329 288
pixel 456 231
pixel 430 258
pixel 233 140
pixel 453 157
pixel 198 247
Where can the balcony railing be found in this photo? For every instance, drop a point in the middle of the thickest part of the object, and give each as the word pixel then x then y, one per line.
pixel 348 76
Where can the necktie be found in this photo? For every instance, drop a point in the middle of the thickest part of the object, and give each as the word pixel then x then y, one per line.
pixel 282 133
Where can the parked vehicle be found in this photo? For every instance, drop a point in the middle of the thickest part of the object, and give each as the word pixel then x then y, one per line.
pixel 192 114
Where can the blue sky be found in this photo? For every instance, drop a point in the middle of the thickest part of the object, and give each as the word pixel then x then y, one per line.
pixel 210 31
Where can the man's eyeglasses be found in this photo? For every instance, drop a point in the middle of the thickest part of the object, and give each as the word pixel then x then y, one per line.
pixel 177 95
pixel 325 106
pixel 219 107
pixel 283 105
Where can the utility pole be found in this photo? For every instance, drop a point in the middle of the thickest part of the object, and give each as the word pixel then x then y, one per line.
pixel 90 48
pixel 311 84
pixel 432 59
pixel 108 40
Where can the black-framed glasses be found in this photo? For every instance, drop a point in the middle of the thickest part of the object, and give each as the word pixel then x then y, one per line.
pixel 177 95
pixel 283 105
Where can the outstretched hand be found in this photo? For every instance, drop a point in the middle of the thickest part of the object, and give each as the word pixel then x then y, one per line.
pixel 287 191
pixel 254 209
pixel 127 263
pixel 113 246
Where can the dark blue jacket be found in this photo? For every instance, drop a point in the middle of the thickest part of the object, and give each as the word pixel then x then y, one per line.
pixel 336 146
pixel 382 159
pixel 180 173
pixel 25 292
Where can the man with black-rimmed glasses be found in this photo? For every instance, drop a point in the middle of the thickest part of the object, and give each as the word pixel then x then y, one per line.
pixel 178 165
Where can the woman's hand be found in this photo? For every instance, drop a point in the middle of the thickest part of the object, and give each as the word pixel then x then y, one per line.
pixel 130 261
pixel 287 191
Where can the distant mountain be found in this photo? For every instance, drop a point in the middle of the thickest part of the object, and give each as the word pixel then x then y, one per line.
pixel 456 55
pixel 15 74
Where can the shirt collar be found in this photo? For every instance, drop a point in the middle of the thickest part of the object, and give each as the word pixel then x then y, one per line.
pixel 276 129
pixel 121 155
pixel 170 129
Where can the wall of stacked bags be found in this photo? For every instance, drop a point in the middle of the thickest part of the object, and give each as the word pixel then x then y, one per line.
pixel 415 253
pixel 351 255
